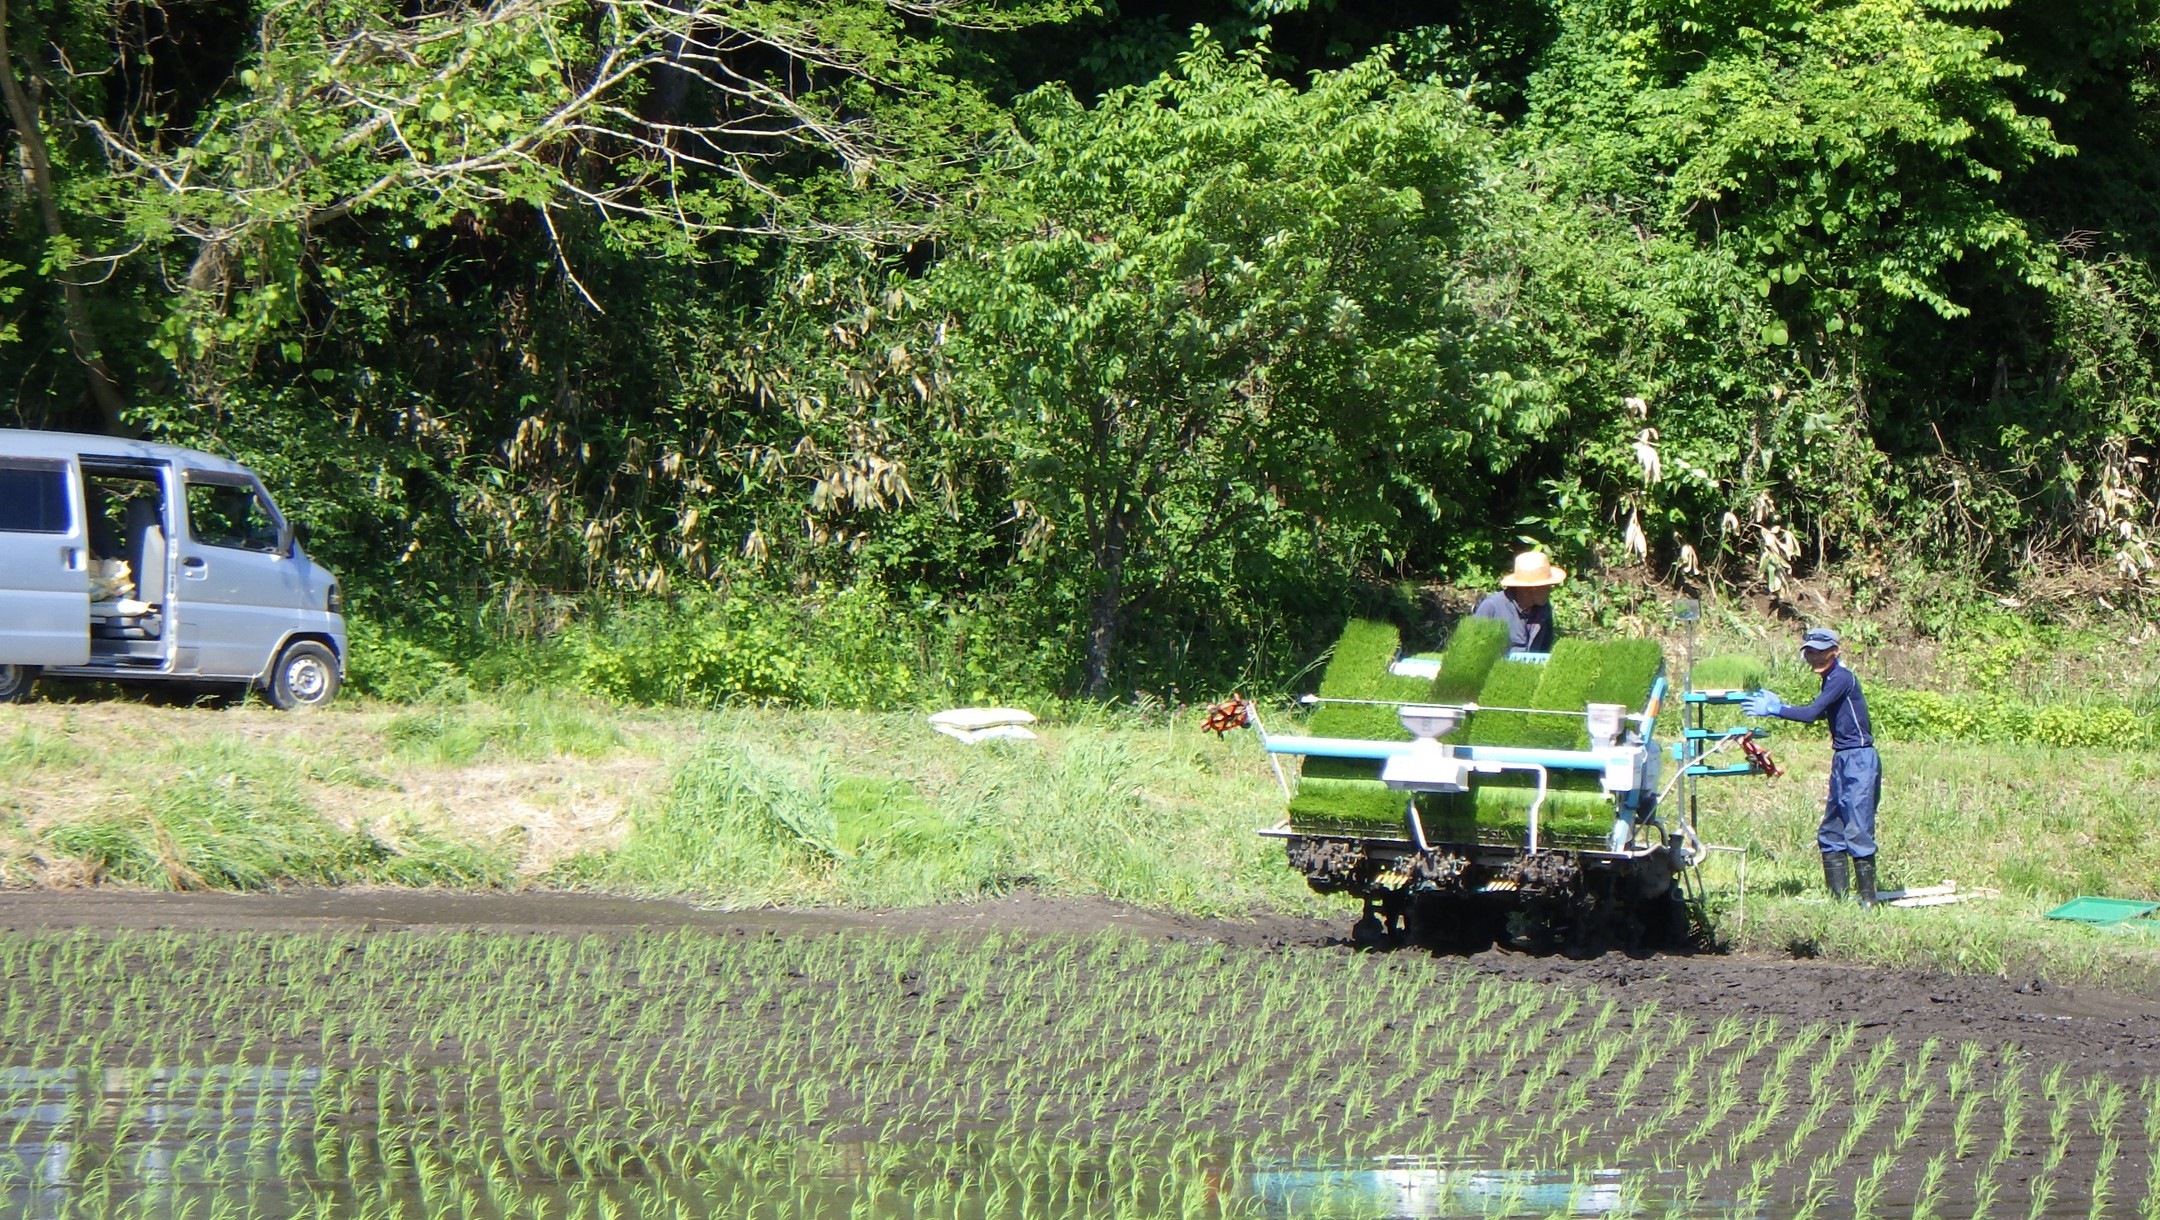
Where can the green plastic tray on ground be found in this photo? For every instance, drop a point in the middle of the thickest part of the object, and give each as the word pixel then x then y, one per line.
pixel 2110 913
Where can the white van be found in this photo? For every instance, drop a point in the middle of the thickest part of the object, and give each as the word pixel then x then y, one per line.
pixel 131 562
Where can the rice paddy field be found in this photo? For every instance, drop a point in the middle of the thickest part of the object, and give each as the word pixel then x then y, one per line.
pixel 168 1074
pixel 217 1000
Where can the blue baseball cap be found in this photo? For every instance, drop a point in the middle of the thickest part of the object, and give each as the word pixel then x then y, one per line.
pixel 1822 639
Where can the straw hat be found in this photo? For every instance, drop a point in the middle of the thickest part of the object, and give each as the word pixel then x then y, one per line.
pixel 1532 569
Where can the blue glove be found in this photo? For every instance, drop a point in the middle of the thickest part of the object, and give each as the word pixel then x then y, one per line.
pixel 1762 703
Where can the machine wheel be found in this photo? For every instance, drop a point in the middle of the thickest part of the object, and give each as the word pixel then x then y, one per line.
pixel 1369 932
pixel 306 676
pixel 16 681
pixel 1531 930
pixel 1660 923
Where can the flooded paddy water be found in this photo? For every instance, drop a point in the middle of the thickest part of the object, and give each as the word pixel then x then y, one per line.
pixel 1015 1070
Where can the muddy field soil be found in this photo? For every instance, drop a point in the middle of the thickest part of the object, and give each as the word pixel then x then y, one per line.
pixel 2091 1031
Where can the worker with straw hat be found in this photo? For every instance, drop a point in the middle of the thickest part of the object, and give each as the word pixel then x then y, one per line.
pixel 1524 602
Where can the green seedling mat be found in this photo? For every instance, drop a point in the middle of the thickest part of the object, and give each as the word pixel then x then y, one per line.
pixel 2116 913
pixel 1335 793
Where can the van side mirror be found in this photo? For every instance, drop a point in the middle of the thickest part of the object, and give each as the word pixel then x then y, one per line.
pixel 285 540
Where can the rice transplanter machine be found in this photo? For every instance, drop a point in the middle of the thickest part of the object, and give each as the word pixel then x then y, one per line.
pixel 1472 846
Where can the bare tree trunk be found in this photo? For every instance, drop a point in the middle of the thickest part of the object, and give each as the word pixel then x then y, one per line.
pixel 104 390
pixel 1106 613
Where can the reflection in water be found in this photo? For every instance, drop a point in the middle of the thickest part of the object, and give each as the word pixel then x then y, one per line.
pixel 142 1128
pixel 1417 1188
pixel 242 1140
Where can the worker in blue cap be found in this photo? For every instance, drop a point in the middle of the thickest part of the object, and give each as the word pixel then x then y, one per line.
pixel 1847 834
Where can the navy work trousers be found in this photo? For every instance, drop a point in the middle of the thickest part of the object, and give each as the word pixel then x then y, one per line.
pixel 1848 819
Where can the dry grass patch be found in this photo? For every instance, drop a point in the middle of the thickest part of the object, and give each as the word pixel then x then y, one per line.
pixel 521 785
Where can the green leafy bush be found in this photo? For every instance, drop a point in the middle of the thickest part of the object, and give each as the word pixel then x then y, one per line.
pixel 387 663
pixel 1922 715
pixel 856 647
pixel 2100 726
pixel 1933 716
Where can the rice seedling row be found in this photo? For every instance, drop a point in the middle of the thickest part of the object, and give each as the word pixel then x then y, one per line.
pixel 682 1075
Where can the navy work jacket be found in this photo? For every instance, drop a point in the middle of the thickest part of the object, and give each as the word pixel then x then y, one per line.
pixel 1843 703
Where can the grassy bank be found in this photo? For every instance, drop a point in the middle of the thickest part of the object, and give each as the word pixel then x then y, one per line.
pixel 758 807
pixel 2042 825
pixel 741 807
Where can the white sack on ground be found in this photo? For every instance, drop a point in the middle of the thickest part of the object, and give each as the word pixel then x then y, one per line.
pixel 973 724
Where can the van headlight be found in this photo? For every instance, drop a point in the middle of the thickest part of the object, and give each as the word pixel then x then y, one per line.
pixel 335 601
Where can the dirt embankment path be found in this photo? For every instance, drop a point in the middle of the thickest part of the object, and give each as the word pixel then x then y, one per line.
pixel 2091 1030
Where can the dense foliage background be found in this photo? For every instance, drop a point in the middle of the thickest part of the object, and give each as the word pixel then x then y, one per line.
pixel 1079 347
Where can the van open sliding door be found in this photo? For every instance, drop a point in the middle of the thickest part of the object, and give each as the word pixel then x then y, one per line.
pixel 44 563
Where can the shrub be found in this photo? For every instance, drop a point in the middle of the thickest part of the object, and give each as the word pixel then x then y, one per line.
pixel 1932 716
pixel 389 664
pixel 2066 725
pixel 1924 715
pixel 854 647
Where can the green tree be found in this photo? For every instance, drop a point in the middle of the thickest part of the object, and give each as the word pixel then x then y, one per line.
pixel 1782 272
pixel 24 94
pixel 667 124
pixel 1215 308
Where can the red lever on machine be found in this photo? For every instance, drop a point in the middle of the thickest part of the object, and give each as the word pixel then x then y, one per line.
pixel 1758 756
pixel 1231 713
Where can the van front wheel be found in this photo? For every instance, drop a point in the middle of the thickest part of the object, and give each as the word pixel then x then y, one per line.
pixel 16 681
pixel 306 675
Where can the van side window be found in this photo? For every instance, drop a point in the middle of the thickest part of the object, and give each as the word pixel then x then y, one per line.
pixel 222 514
pixel 33 497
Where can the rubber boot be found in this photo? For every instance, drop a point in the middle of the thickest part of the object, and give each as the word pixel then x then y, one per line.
pixel 1836 867
pixel 1863 868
